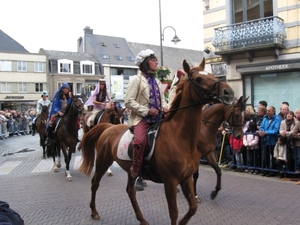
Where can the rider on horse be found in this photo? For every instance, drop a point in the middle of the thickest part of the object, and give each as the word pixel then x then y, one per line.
pixel 98 100
pixel 145 98
pixel 61 100
pixel 44 101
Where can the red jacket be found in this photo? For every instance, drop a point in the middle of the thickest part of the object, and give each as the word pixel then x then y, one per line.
pixel 235 143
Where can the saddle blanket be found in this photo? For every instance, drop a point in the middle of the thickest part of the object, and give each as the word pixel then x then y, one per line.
pixel 122 152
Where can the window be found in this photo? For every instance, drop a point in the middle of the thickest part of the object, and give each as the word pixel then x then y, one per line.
pixel 6 87
pixel 38 67
pixel 129 58
pixel 251 10
pixel 22 66
pixel 104 56
pixel 117 45
pixel 22 87
pixel 87 69
pixel 5 65
pixel 65 66
pixel 117 57
pixel 39 87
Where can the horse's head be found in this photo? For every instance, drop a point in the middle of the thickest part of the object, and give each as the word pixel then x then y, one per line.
pixel 234 114
pixel 78 104
pixel 205 87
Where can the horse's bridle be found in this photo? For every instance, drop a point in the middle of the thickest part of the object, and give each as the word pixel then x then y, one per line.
pixel 207 98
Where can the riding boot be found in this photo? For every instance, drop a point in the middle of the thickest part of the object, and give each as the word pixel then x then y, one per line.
pixel 49 135
pixel 33 129
pixel 135 169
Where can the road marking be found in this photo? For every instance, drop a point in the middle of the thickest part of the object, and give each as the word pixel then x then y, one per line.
pixel 77 162
pixel 43 166
pixel 7 167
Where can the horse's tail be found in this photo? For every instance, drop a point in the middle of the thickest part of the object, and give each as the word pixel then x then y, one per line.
pixel 88 145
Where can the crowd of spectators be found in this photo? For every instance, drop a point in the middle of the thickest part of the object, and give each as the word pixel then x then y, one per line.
pixel 15 122
pixel 270 145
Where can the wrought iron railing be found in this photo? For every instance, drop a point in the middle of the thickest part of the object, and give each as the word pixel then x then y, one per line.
pixel 264 31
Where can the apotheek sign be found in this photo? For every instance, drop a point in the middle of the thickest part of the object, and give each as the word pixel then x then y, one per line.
pixel 14 97
pixel 246 69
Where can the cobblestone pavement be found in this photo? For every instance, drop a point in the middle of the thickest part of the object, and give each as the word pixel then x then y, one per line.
pixel 41 196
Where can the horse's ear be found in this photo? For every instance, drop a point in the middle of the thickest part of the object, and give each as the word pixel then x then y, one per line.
pixel 246 99
pixel 186 66
pixel 202 64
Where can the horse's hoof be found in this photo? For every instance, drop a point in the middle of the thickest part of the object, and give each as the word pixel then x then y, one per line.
pixel 69 178
pixel 145 184
pixel 213 195
pixel 144 223
pixel 95 217
pixel 198 200
pixel 55 170
pixel 109 174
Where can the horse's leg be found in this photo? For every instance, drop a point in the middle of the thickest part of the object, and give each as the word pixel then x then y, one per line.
pixel 212 162
pixel 171 195
pixel 101 167
pixel 132 196
pixel 68 156
pixel 195 178
pixel 188 191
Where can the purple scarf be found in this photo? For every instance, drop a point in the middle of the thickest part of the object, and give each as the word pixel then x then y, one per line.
pixel 154 98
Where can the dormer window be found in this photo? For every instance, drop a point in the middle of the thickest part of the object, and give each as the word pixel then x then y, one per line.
pixel 103 44
pixel 65 66
pixel 117 57
pixel 117 45
pixel 104 56
pixel 129 58
pixel 87 67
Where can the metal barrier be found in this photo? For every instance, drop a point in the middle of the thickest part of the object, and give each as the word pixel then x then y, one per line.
pixel 263 158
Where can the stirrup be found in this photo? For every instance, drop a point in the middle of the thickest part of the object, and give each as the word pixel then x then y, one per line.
pixel 138 184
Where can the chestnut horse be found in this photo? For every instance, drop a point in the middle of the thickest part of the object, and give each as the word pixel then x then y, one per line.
pixel 193 91
pixel 213 116
pixel 41 122
pixel 66 135
pixel 108 116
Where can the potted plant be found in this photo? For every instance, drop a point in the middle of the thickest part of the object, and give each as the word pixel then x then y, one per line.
pixel 162 72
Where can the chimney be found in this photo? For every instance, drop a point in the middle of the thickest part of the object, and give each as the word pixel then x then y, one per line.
pixel 88 30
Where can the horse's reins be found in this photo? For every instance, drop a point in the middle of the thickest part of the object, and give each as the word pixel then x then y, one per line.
pixel 208 98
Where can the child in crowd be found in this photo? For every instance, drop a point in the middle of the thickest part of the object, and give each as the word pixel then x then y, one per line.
pixel 250 141
pixel 280 154
pixel 236 146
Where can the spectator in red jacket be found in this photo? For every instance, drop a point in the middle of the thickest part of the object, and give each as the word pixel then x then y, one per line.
pixel 236 146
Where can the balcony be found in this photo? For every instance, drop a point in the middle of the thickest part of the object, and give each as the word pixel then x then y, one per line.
pixel 248 37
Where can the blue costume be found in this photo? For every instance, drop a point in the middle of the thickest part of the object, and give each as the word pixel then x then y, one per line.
pixel 57 102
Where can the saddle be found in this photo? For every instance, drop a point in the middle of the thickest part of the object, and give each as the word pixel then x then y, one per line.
pixel 152 134
pixel 94 121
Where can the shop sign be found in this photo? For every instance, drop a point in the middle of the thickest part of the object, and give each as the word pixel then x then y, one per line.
pixel 14 97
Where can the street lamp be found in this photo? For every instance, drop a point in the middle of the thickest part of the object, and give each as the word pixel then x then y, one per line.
pixel 175 38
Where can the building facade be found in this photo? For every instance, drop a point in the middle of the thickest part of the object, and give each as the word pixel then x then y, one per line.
pixel 255 45
pixel 23 78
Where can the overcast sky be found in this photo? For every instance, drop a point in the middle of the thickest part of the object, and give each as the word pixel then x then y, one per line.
pixel 57 24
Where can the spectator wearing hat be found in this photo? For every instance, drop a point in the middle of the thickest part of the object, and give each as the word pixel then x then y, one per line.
pixel 172 92
pixel 44 101
pixel 145 99
pixel 98 99
pixel 61 100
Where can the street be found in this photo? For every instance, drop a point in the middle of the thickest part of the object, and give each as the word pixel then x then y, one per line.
pixel 41 196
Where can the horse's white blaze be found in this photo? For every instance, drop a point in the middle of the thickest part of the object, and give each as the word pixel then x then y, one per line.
pixel 203 73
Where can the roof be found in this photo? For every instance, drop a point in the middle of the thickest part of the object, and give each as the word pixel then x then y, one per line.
pixel 8 44
pixel 101 46
pixel 74 56
pixel 172 57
